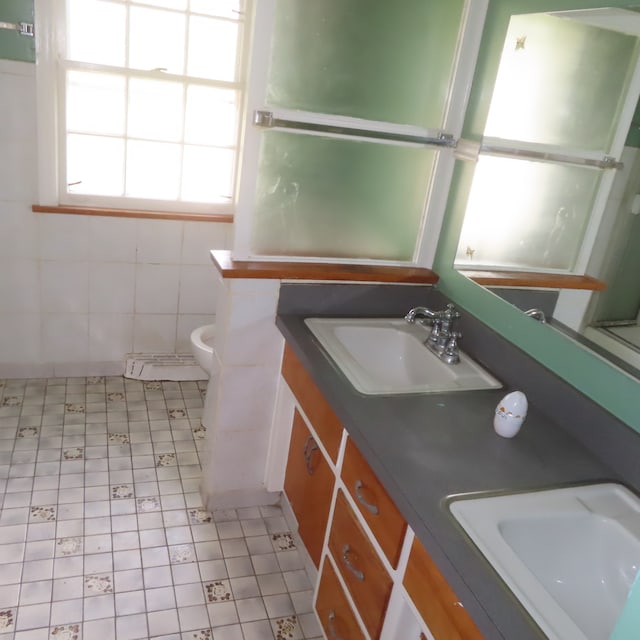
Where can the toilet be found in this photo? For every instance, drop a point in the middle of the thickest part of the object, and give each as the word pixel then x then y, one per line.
pixel 202 345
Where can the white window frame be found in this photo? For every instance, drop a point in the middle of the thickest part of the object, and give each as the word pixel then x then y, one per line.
pixel 437 194
pixel 50 29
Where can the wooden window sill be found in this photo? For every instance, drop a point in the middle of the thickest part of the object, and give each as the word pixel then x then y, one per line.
pixel 282 270
pixel 534 280
pixel 134 213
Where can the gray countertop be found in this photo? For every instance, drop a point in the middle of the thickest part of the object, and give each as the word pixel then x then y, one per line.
pixel 425 448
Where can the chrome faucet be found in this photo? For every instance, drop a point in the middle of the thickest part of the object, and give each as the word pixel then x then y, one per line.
pixel 420 312
pixel 536 314
pixel 442 340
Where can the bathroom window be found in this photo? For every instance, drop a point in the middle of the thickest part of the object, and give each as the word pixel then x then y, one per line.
pixel 359 98
pixel 140 102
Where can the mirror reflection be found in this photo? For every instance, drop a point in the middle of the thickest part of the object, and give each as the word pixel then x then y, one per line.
pixel 611 318
pixel 556 187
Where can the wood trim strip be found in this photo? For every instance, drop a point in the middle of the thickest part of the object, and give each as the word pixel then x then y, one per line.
pixel 282 270
pixel 534 280
pixel 134 213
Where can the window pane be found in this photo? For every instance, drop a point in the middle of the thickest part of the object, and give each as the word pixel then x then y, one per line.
pixel 339 198
pixel 95 164
pixel 167 4
pixel 95 102
pixel 211 116
pixel 222 8
pixel 156 40
pixel 388 61
pixel 155 110
pixel 212 48
pixel 207 174
pixel 96 32
pixel 523 214
pixel 153 170
pixel 570 99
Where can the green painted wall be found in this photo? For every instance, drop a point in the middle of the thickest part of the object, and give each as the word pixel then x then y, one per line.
pixel 13 46
pixel 608 386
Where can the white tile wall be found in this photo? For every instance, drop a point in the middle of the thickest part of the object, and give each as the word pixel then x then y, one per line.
pixel 154 333
pixel 17 160
pixel 77 293
pixel 18 223
pixel 200 237
pixel 197 289
pixel 159 241
pixel 244 392
pixel 239 464
pixel 63 237
pixel 111 287
pixel 19 285
pixel 64 286
pixel 65 337
pixel 112 239
pixel 20 337
pixel 110 335
pixel 241 396
pixel 157 288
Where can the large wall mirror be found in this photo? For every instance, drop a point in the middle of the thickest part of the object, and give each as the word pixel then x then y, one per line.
pixel 556 180
pixel 550 184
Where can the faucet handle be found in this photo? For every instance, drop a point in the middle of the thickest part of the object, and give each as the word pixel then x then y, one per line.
pixel 451 312
pixel 436 329
pixel 450 354
pixel 454 336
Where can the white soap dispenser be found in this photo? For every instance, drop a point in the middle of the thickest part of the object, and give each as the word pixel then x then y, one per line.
pixel 510 414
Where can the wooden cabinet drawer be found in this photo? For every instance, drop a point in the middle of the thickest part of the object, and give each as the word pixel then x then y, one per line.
pixel 434 599
pixel 320 414
pixel 362 570
pixel 333 609
pixel 375 505
pixel 308 484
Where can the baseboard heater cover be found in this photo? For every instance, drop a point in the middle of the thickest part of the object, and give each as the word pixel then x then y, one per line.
pixel 163 366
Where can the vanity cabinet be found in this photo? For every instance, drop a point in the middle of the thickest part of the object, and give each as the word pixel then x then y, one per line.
pixel 333 609
pixel 374 503
pixel 320 414
pixel 308 484
pixel 435 600
pixel 362 570
pixel 370 563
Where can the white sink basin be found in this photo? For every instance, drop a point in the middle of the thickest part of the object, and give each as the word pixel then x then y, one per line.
pixel 570 555
pixel 387 356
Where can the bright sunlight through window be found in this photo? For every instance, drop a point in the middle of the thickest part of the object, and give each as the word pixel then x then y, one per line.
pixel 152 95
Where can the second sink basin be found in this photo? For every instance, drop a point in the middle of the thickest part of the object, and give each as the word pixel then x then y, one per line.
pixel 387 356
pixel 570 555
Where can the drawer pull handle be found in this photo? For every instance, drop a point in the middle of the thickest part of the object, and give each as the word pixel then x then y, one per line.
pixel 361 499
pixel 309 447
pixel 333 634
pixel 346 552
